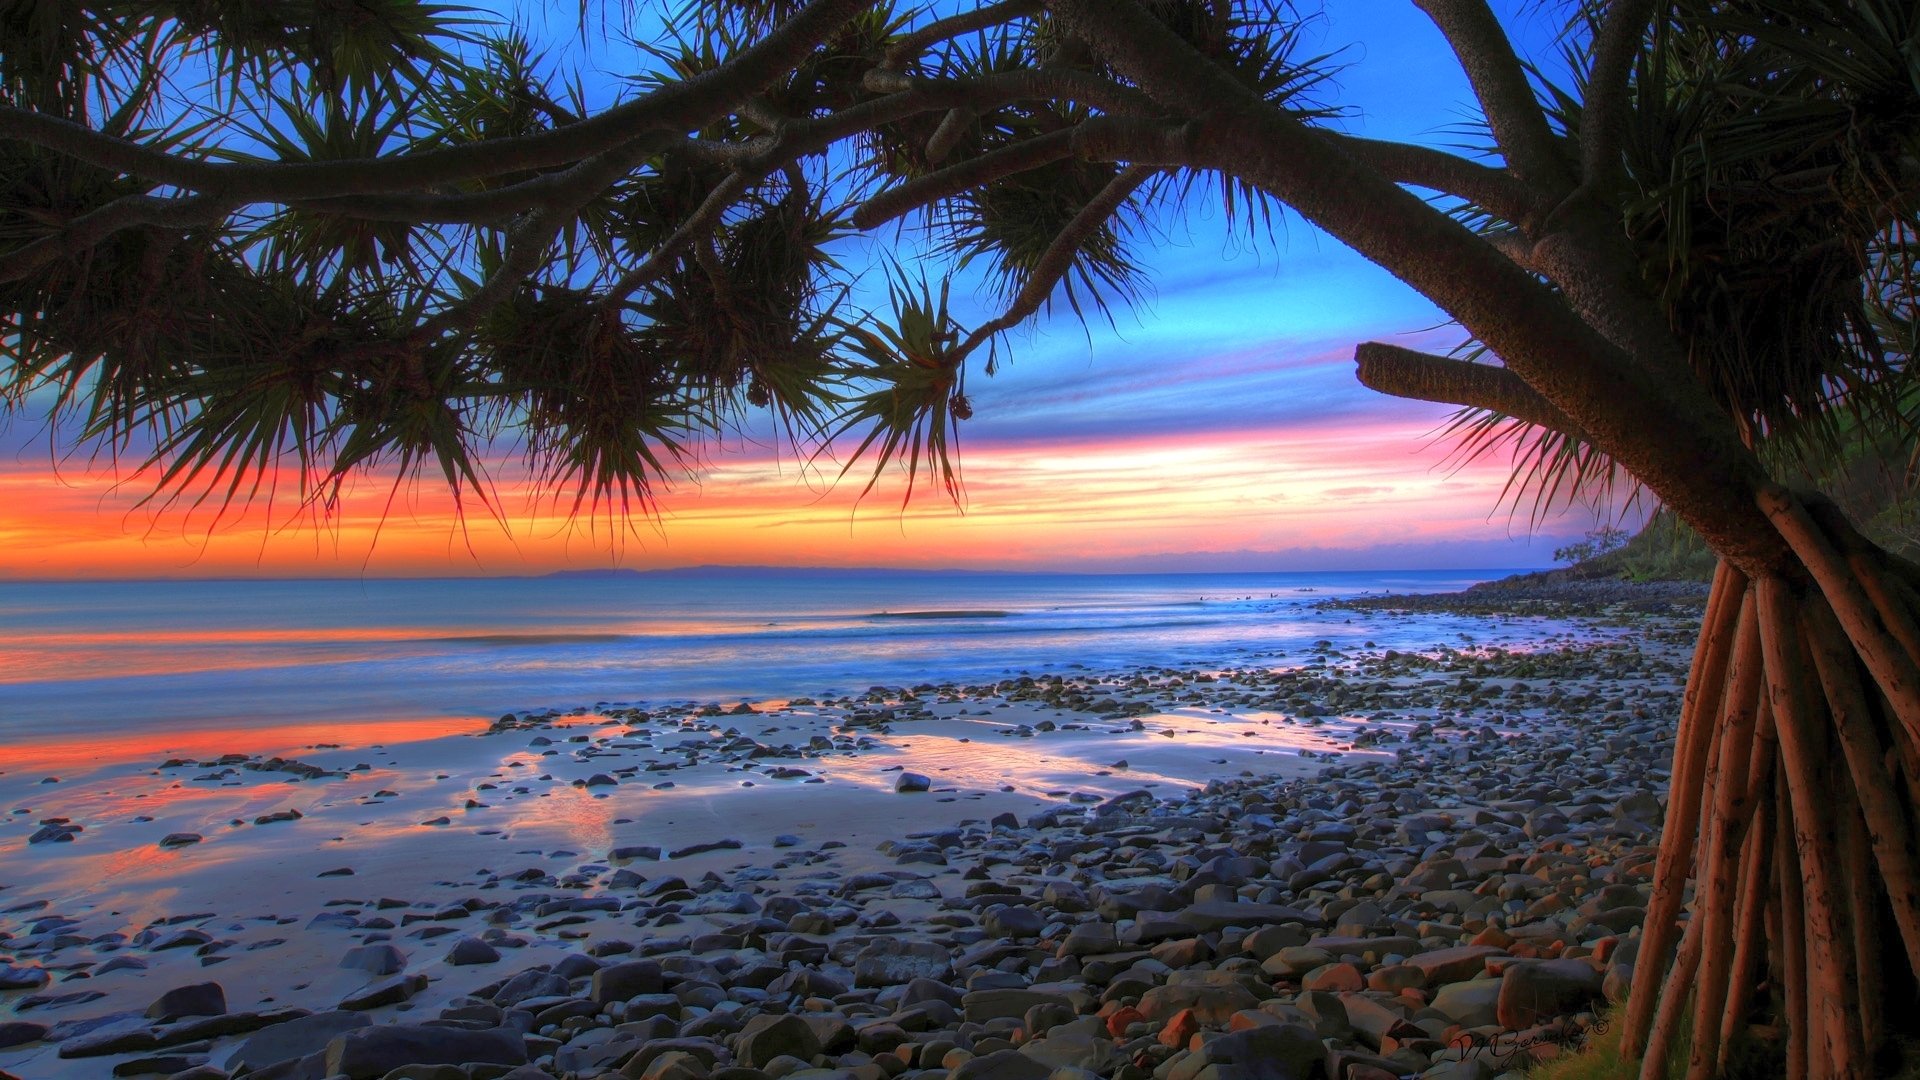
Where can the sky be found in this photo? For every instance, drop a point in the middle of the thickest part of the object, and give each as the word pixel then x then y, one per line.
pixel 1218 427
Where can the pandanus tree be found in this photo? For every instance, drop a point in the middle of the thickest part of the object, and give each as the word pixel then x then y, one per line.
pixel 325 238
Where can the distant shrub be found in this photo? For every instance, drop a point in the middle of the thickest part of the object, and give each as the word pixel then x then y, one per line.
pixel 1599 542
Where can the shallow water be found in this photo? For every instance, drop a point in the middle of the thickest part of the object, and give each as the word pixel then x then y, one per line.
pixel 113 660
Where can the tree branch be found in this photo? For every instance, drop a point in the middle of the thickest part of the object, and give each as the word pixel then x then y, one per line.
pixel 1500 84
pixel 698 225
pixel 1603 122
pixel 1495 190
pixel 126 212
pixel 909 46
pixel 677 107
pixel 1059 256
pixel 923 190
pixel 1405 373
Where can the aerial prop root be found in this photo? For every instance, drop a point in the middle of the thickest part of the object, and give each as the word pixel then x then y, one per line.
pixel 1787 874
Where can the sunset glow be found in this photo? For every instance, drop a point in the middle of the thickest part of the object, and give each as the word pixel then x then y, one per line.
pixel 1094 503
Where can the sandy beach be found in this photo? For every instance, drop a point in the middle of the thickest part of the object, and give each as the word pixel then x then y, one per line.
pixel 821 858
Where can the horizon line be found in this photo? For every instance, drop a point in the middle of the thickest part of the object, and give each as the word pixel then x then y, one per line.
pixel 616 571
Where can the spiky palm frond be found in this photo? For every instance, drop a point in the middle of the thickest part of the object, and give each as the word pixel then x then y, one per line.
pixel 601 413
pixel 1762 184
pixel 747 320
pixel 315 128
pixel 911 416
pixel 1012 224
pixel 364 50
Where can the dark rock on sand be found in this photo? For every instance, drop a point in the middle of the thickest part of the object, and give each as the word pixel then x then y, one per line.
pixel 372 1052
pixel 197 999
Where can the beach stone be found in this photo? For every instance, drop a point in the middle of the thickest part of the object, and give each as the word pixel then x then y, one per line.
pixel 20 1032
pixel 1090 939
pixel 22 978
pixel 1266 1052
pixel 1540 990
pixel 910 782
pixel 1455 964
pixel 1474 1003
pixel 672 1065
pixel 530 984
pixel 1333 978
pixel 705 847
pixel 1002 1065
pixel 767 1037
pixel 295 1038
pixel 470 950
pixel 1009 1002
pixel 618 982
pixel 371 1052
pixel 197 999
pixel 1214 915
pixel 125 1033
pixel 1211 1004
pixel 180 839
pixel 900 960
pixel 386 992
pixel 1013 921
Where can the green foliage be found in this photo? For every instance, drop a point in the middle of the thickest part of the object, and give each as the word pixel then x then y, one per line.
pixel 1765 181
pixel 1598 542
pixel 912 414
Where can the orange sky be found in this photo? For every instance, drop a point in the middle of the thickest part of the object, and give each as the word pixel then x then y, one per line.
pixel 1245 498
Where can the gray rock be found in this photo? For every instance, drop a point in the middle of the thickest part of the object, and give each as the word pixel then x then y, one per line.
pixel 900 960
pixel 528 985
pixel 197 999
pixel 385 992
pixel 1212 1005
pixel 22 978
pixel 768 1036
pixel 618 982
pixel 910 782
pixel 376 959
pixel 294 1039
pixel 1002 1065
pixel 1214 915
pixel 372 1052
pixel 20 1032
pixel 1268 1052
pixel 470 950
pixel 982 1005
pixel 1013 921
pixel 1541 990
pixel 1471 1004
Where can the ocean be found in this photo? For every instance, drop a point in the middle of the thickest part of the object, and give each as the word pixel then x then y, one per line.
pixel 91 658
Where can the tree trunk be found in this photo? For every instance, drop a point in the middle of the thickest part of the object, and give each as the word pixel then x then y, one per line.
pixel 1792 806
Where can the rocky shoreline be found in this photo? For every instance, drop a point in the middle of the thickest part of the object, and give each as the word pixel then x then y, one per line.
pixel 1452 894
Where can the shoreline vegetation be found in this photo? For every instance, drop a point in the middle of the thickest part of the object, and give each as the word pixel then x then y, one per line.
pixel 1399 863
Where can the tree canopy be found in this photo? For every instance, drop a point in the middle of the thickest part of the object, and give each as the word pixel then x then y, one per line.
pixel 330 236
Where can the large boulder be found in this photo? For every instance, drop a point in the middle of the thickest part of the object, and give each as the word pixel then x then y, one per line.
pixel 618 982
pixel 374 1051
pixel 195 999
pixel 1534 992
pixel 296 1038
pixel 1473 1003
pixel 1266 1052
pixel 896 961
pixel 1211 1005
pixel 769 1036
